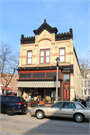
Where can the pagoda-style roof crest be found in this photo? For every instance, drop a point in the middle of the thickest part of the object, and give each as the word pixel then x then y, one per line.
pixel 45 26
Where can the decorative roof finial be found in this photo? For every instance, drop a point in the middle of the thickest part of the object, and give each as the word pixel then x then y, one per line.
pixel 71 30
pixel 22 36
pixel 44 20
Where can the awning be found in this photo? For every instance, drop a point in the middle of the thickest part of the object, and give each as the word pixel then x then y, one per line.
pixel 8 88
pixel 38 84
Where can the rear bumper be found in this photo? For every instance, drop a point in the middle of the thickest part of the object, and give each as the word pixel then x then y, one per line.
pixel 22 110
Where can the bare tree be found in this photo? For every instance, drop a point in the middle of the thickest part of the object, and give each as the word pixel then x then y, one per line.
pixel 84 64
pixel 8 64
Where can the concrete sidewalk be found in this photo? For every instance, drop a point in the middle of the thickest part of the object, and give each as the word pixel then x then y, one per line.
pixel 28 111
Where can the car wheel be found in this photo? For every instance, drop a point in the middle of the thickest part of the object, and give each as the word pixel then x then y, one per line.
pixel 79 117
pixel 39 114
pixel 10 111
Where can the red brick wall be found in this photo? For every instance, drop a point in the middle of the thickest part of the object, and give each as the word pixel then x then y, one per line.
pixel 13 82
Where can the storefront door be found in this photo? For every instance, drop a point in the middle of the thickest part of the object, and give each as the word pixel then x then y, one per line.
pixel 66 92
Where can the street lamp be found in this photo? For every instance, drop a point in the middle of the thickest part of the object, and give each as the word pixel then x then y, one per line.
pixel 57 60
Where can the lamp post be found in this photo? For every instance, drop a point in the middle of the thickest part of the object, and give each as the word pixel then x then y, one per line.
pixel 57 60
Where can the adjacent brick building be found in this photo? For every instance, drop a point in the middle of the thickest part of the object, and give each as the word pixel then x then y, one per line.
pixel 13 82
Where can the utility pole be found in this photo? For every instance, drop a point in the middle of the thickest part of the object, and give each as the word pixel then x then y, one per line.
pixel 57 60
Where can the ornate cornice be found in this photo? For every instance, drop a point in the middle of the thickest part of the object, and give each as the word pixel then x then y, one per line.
pixel 27 40
pixel 64 36
pixel 47 27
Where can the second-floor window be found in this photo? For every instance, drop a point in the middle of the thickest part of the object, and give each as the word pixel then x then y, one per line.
pixel 45 56
pixel 29 57
pixel 62 54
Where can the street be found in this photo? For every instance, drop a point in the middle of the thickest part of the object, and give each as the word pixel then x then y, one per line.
pixel 25 124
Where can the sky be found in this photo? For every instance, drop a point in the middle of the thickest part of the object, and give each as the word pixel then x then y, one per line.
pixel 19 17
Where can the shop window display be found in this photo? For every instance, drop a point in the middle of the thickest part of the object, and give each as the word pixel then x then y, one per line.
pixel 29 95
pixel 45 95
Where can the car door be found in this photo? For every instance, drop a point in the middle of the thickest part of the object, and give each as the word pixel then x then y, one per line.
pixel 69 109
pixel 55 110
pixel 4 103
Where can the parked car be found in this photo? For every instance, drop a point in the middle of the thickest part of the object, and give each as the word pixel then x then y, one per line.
pixel 13 104
pixel 67 109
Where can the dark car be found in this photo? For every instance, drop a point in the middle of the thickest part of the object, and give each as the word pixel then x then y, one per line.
pixel 13 104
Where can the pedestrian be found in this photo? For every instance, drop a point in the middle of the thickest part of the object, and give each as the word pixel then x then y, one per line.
pixel 29 98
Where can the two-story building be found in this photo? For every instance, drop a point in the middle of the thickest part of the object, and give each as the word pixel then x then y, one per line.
pixel 86 84
pixel 37 66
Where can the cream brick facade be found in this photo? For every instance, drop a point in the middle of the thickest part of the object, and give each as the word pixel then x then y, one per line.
pixel 46 40
pixel 45 43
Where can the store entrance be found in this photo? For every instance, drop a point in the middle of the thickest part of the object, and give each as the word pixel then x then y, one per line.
pixel 66 92
pixel 41 96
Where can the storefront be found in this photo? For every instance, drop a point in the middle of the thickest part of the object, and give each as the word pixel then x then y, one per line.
pixel 42 84
pixel 45 95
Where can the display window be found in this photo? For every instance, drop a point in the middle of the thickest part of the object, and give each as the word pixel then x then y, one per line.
pixel 45 95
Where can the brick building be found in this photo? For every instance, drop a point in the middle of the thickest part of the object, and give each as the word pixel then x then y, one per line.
pixel 86 84
pixel 37 66
pixel 13 82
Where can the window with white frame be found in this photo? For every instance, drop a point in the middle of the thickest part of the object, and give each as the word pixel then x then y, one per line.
pixel 29 57
pixel 86 83
pixel 89 91
pixel 42 56
pixel 45 56
pixel 62 54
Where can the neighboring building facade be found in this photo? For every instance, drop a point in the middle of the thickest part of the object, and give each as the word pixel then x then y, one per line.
pixel 86 84
pixel 37 66
pixel 13 82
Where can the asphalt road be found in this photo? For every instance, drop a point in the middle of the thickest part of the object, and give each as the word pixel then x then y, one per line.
pixel 27 125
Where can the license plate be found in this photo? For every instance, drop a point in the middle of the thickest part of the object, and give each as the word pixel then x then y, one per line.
pixel 24 105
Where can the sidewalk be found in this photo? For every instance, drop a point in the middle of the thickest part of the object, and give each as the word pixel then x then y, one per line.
pixel 28 111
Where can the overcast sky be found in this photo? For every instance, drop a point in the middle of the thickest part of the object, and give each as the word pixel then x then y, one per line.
pixel 19 17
